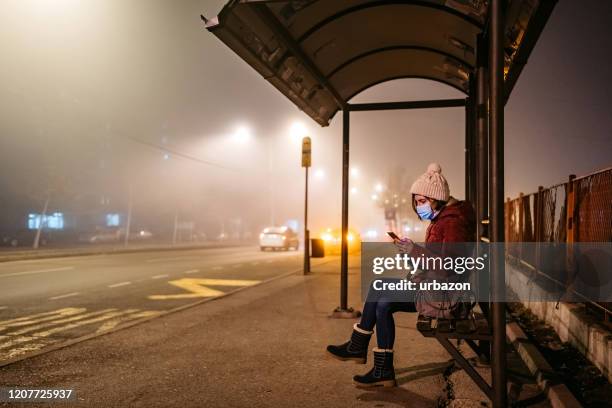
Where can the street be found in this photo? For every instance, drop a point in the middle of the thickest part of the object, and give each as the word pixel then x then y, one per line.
pixel 45 302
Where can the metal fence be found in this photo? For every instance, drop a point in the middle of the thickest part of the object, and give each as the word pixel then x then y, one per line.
pixel 579 210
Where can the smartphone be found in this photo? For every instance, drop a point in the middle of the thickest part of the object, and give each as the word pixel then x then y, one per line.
pixel 393 235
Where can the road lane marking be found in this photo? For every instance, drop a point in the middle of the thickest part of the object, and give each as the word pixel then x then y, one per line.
pixel 3 307
pixel 116 285
pixel 66 268
pixel 64 296
pixel 192 271
pixel 27 320
pixel 33 317
pixel 56 322
pixel 111 324
pixel 21 340
pixel 199 287
pixel 166 259
pixel 159 276
pixel 47 333
pixel 216 268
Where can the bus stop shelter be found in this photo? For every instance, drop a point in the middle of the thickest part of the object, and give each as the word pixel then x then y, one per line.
pixel 322 53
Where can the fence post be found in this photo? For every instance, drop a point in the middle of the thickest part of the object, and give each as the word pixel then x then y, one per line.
pixel 538 225
pixel 521 224
pixel 570 225
pixel 571 231
pixel 509 216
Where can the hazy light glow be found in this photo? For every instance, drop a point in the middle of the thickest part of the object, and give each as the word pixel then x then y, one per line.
pixel 354 172
pixel 242 134
pixel 319 173
pixel 298 131
pixel 353 190
pixel 372 234
pixel 374 197
pixel 379 187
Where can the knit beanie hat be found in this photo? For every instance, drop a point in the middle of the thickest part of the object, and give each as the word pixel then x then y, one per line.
pixel 432 184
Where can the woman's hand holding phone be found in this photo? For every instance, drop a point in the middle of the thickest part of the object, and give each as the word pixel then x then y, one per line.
pixel 404 245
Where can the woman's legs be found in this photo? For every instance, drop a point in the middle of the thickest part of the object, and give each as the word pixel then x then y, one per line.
pixel 378 312
pixel 385 324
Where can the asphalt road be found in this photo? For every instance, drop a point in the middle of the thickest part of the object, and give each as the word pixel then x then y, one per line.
pixel 48 301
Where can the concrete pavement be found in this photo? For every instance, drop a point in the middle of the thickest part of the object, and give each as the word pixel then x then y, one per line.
pixel 261 347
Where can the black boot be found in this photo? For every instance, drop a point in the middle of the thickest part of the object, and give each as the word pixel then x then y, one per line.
pixel 382 374
pixel 356 349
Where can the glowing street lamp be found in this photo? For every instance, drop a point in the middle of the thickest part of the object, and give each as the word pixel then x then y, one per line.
pixel 379 187
pixel 242 135
pixel 298 131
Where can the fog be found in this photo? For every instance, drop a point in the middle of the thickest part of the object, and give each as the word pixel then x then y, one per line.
pixel 110 104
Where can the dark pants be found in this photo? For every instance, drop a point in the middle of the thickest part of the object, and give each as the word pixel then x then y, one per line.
pixel 378 311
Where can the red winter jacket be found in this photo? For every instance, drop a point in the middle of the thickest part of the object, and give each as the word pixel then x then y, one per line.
pixel 455 223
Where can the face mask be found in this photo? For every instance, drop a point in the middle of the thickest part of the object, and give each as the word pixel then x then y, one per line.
pixel 425 212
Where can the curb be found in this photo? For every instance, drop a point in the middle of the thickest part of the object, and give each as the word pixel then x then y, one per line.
pixel 557 393
pixel 147 319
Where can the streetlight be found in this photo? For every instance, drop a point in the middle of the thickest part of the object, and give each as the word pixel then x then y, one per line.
pixel 354 172
pixel 242 134
pixel 379 187
pixel 298 131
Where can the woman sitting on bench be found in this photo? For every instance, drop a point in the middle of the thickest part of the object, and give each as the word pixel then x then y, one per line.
pixel 450 221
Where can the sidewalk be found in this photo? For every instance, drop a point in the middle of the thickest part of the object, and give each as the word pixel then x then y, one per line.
pixel 264 346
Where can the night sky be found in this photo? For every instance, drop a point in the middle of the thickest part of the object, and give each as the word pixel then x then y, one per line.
pixel 88 89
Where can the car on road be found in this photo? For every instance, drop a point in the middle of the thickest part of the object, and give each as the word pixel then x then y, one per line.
pixel 113 235
pixel 332 239
pixel 278 238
